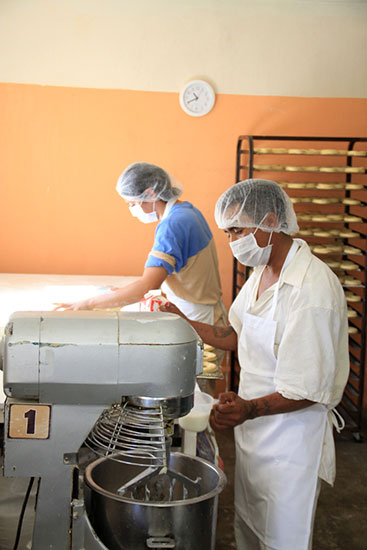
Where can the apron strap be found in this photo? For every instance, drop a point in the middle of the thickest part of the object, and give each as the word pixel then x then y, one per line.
pixel 223 309
pixel 337 420
pixel 291 253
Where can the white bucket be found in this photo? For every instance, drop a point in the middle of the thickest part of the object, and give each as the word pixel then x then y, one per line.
pixel 198 417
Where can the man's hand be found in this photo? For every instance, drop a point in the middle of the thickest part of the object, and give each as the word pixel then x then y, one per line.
pixel 171 308
pixel 221 337
pixel 230 411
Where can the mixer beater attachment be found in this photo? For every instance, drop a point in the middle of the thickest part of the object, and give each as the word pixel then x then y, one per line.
pixel 157 485
pixel 138 436
pixel 131 435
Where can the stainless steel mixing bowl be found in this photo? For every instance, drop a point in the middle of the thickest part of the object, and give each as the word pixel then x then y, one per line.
pixel 186 523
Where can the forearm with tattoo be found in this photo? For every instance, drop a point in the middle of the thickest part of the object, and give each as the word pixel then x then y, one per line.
pixel 274 403
pixel 222 332
pixel 222 337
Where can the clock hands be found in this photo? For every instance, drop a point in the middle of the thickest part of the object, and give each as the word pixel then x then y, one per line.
pixel 194 99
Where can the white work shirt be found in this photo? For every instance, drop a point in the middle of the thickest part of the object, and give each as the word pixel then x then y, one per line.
pixel 311 341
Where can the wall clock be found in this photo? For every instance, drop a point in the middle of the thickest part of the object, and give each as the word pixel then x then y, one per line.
pixel 197 98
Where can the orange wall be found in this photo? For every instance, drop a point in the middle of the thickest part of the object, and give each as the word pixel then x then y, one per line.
pixel 62 149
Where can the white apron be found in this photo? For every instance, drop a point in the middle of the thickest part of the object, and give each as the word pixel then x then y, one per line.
pixel 277 456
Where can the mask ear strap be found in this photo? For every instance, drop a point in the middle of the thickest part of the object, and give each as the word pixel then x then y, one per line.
pixel 271 234
pixel 149 192
pixel 258 225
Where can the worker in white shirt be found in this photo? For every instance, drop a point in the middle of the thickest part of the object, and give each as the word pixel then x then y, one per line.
pixel 289 326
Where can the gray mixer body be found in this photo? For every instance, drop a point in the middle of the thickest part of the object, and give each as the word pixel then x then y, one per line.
pixel 97 357
pixel 61 371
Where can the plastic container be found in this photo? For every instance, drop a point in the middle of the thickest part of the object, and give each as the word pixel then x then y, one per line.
pixel 152 301
pixel 198 417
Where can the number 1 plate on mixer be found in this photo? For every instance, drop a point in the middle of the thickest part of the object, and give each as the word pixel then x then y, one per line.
pixel 29 421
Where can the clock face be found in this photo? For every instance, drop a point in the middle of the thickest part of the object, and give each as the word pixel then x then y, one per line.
pixel 197 98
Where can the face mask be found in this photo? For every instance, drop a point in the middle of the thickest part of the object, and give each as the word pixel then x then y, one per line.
pixel 248 252
pixel 144 217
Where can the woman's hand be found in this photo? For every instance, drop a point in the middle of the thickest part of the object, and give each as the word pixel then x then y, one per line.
pixel 230 411
pixel 73 306
pixel 102 301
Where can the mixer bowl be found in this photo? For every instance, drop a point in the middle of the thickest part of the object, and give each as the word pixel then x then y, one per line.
pixel 130 524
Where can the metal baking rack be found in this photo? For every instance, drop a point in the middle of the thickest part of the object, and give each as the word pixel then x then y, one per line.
pixel 216 375
pixel 326 179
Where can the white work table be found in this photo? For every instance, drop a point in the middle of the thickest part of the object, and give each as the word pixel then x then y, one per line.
pixel 36 292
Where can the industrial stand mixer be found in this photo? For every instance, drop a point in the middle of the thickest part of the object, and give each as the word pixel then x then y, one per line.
pixel 113 383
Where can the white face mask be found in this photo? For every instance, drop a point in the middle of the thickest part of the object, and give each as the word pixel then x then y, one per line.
pixel 248 252
pixel 144 217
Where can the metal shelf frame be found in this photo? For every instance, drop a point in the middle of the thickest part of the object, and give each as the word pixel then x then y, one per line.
pixel 350 170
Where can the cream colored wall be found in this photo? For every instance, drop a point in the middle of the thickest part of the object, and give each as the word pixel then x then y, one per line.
pixel 65 135
pixel 305 48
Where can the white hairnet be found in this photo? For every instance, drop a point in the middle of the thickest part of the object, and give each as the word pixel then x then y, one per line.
pixel 139 180
pixel 249 203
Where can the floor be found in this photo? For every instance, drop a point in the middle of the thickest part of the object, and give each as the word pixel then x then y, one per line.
pixel 341 517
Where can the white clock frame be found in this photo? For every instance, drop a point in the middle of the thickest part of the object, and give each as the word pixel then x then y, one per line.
pixel 197 98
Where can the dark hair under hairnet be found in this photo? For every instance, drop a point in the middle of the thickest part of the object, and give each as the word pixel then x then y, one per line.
pixel 249 203
pixel 139 180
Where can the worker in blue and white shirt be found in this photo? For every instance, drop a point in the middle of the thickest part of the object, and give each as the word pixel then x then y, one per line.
pixel 183 260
